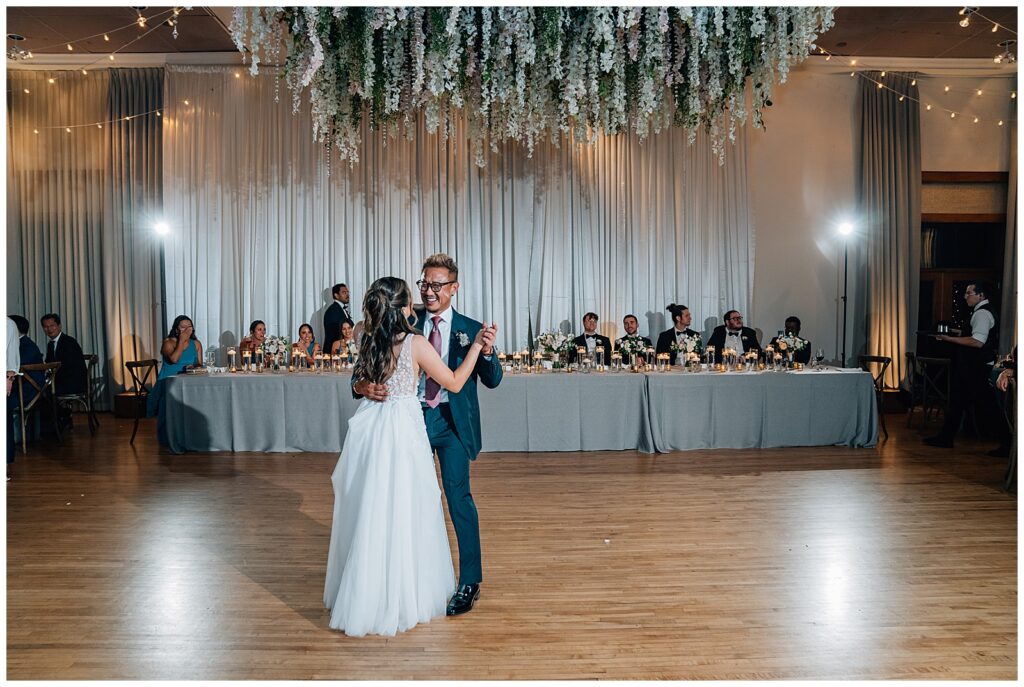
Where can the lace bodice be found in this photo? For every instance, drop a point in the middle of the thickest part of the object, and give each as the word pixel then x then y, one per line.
pixel 403 382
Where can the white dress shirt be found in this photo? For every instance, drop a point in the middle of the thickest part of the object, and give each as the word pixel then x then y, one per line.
pixel 590 340
pixel 981 323
pixel 445 326
pixel 734 340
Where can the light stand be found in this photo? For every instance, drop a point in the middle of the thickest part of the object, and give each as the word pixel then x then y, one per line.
pixel 845 229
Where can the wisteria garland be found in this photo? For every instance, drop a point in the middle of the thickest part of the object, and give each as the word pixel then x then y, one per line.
pixel 530 73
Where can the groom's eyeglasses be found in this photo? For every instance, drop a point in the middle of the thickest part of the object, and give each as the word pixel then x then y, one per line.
pixel 434 286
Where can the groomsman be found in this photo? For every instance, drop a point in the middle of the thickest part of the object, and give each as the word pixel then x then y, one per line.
pixel 336 315
pixel 631 325
pixel 590 339
pixel 793 329
pixel 733 335
pixel 681 319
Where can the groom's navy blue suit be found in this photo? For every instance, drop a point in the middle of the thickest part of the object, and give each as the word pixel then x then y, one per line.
pixel 454 432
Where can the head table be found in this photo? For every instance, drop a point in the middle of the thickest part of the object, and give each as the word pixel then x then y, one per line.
pixel 552 411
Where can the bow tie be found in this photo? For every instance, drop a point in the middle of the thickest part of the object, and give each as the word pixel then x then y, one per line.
pixel 591 336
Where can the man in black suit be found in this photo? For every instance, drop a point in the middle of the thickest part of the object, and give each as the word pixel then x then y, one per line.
pixel 681 319
pixel 793 329
pixel 631 325
pixel 733 335
pixel 63 349
pixel 335 316
pixel 590 339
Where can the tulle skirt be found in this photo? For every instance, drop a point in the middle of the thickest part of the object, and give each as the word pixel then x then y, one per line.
pixel 389 566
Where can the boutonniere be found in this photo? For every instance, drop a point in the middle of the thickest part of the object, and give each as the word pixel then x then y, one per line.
pixel 462 338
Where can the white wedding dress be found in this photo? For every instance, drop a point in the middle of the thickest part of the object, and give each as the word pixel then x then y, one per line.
pixel 389 566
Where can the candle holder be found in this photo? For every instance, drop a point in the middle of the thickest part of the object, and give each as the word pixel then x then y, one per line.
pixel 246 361
pixel 537 358
pixel 318 363
pixel 232 359
pixel 599 359
pixel 616 365
pixel 335 362
pixel 517 363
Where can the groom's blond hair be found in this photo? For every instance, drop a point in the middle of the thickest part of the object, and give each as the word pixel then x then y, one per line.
pixel 442 260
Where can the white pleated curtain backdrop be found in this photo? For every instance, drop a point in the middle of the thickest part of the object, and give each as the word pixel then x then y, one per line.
pixel 260 230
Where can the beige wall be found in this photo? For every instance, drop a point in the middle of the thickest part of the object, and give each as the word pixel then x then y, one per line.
pixel 803 181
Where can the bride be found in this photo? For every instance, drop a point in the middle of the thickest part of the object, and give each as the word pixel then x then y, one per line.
pixel 389 566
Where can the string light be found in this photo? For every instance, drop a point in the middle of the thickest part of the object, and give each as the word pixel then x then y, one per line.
pixel 27 91
pixel 979 91
pixel 928 107
pixel 51 80
pixel 35 131
pixel 975 120
pixel 914 82
pixel 67 129
pixel 947 89
pixel 237 75
pixel 111 56
pixel 1000 122
pixel 84 72
pixel 995 27
pixel 901 98
pixel 186 102
pixel 69 47
pixel 952 115
pixel 106 38
pixel 883 74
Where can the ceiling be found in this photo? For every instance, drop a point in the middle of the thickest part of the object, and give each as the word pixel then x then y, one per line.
pixel 909 32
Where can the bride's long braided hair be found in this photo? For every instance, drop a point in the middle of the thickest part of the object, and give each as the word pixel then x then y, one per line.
pixel 384 324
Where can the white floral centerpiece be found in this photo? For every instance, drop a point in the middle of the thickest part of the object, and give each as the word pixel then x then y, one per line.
pixel 691 343
pixel 631 345
pixel 273 345
pixel 789 345
pixel 555 344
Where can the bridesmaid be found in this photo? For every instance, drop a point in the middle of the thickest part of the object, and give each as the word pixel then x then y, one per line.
pixel 307 343
pixel 257 335
pixel 346 344
pixel 181 349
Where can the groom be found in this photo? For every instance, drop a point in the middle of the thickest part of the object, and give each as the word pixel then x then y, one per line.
pixel 453 420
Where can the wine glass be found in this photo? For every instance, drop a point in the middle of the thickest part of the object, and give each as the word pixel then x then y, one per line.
pixel 819 355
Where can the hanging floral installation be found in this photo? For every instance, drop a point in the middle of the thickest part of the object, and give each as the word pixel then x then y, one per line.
pixel 528 74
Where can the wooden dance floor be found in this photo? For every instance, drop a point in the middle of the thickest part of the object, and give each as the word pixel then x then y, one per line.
pixel 896 562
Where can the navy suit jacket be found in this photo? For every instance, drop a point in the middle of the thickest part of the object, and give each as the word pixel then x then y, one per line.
pixel 31 355
pixel 465 406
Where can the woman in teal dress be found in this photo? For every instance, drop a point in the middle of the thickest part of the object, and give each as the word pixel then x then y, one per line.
pixel 307 342
pixel 180 349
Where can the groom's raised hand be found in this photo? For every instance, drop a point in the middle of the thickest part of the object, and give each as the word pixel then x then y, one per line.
pixel 374 392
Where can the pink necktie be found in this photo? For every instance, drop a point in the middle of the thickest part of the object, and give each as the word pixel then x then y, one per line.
pixel 432 393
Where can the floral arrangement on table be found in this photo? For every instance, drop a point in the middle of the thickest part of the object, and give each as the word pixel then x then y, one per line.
pixel 555 344
pixel 631 346
pixel 691 343
pixel 790 344
pixel 529 74
pixel 273 345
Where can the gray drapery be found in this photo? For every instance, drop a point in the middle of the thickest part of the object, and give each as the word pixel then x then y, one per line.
pixel 78 207
pixel 890 202
pixel 260 231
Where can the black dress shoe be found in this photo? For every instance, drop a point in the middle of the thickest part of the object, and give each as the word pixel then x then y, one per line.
pixel 463 599
pixel 939 441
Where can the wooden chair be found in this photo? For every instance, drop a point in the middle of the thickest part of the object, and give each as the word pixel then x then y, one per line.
pixel 865 362
pixel 84 400
pixel 140 371
pixel 44 390
pixel 929 380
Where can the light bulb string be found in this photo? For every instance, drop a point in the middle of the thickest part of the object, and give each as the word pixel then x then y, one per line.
pixel 959 113
pixel 104 33
pixel 976 13
pixel 853 64
pixel 102 122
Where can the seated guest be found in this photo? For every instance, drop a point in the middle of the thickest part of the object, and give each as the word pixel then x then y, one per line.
pixel 681 319
pixel 631 339
pixel 347 343
pixel 181 350
pixel 802 355
pixel 590 339
pixel 307 342
pixel 733 335
pixel 257 335
pixel 62 348
pixel 30 355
